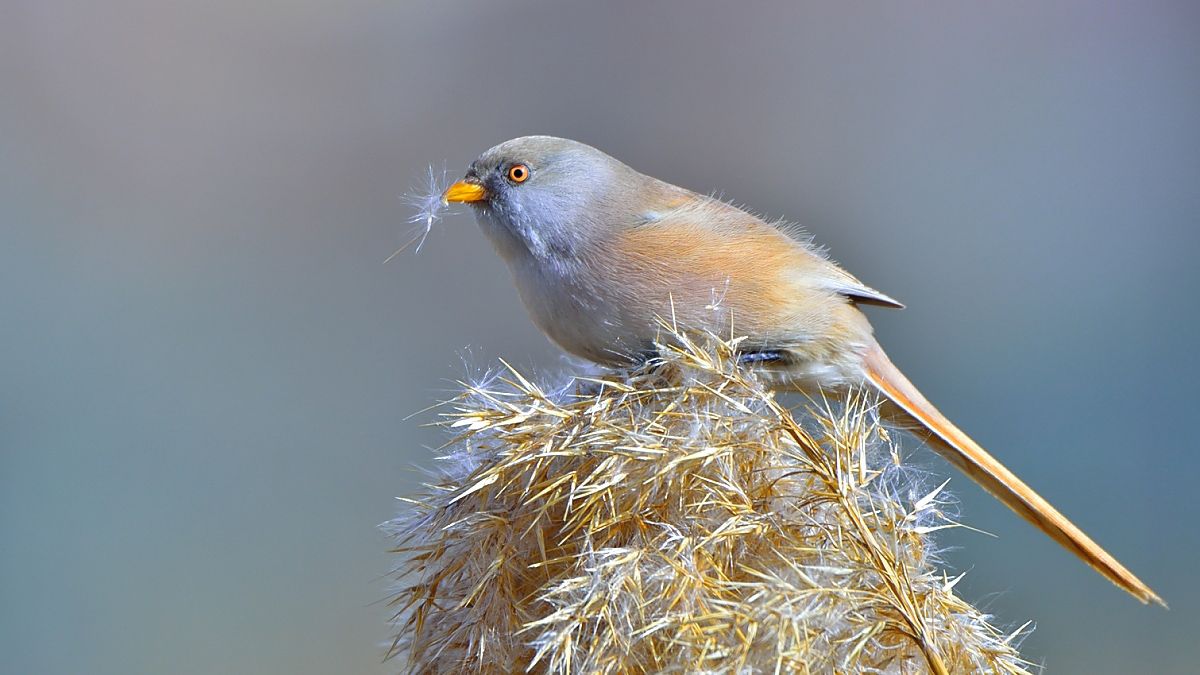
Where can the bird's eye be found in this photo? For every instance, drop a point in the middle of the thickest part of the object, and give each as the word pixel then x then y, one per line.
pixel 518 173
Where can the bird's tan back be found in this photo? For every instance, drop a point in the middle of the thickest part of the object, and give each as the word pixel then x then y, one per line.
pixel 733 274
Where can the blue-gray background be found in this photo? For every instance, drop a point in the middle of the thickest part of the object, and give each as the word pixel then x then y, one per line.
pixel 205 368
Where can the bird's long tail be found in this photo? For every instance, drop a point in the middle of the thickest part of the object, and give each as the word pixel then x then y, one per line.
pixel 907 407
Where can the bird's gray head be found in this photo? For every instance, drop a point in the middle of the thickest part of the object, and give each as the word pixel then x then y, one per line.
pixel 541 196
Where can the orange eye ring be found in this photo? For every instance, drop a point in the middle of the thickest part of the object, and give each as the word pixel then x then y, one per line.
pixel 518 173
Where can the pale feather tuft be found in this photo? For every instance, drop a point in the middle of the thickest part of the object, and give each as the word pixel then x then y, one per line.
pixel 427 202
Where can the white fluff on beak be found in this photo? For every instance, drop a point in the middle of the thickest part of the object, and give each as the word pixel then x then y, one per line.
pixel 429 206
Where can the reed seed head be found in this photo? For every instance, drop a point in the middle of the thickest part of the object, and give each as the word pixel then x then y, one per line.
pixel 676 518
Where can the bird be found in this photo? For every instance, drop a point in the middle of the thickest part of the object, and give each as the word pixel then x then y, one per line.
pixel 600 253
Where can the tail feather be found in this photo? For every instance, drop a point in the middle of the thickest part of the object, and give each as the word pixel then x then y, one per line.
pixel 908 407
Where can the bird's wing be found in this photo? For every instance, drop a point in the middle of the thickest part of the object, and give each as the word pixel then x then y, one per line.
pixel 691 212
pixel 842 282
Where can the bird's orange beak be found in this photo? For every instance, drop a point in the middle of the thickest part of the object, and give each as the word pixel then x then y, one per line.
pixel 463 191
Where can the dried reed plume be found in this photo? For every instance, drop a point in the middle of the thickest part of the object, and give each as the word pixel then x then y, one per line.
pixel 674 518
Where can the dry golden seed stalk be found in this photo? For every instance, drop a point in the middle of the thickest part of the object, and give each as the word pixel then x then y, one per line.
pixel 676 518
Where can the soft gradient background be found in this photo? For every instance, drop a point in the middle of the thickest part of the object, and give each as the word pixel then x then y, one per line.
pixel 206 371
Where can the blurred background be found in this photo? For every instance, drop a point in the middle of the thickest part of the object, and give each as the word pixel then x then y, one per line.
pixel 208 377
